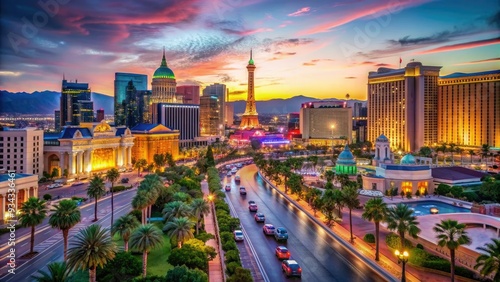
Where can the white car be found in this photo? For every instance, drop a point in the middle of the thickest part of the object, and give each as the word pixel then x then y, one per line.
pixel 238 235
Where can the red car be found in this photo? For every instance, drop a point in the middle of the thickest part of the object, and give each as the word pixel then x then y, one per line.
pixel 228 188
pixel 268 229
pixel 252 207
pixel 282 252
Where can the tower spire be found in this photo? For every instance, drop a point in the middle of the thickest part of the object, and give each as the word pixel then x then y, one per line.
pixel 250 62
pixel 163 60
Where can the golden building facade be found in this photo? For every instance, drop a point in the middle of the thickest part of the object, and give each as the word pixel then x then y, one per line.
pixel 151 139
pixel 402 105
pixel 469 109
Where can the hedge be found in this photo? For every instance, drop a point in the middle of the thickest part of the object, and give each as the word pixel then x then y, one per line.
pixel 369 238
pixel 120 188
pixel 392 240
pixel 231 267
pixel 232 255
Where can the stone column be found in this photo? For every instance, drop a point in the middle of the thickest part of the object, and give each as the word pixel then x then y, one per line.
pixel 115 150
pixel 91 152
pixel 71 162
pixel 78 162
pixel 129 155
pixel 123 156
pixel 82 161
pixel 62 163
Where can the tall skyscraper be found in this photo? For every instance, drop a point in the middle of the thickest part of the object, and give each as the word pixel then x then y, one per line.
pixel 75 100
pixel 140 82
pixel 164 84
pixel 402 105
pixel 100 115
pixel 219 91
pixel 190 94
pixel 22 150
pixel 182 117
pixel 250 118
pixel 136 106
pixel 209 116
pixel 468 109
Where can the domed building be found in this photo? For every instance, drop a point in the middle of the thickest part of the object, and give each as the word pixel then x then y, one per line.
pixel 164 85
pixel 408 159
pixel 346 164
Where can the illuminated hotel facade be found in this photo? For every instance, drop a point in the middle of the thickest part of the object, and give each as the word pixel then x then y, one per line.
pixel 152 139
pixel 86 148
pixel 402 104
pixel 469 109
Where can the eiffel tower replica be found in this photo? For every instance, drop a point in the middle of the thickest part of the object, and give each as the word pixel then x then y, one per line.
pixel 250 118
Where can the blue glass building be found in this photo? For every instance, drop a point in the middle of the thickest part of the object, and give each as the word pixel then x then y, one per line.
pixel 140 82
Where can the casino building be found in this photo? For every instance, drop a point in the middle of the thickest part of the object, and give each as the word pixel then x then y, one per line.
pixel 80 150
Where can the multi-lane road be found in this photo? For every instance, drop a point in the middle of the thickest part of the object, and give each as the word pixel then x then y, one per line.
pixel 48 241
pixel 321 257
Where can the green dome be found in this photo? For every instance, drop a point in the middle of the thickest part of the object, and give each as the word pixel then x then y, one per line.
pixel 164 71
pixel 408 159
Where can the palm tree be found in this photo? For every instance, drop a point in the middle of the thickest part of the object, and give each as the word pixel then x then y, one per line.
pixel 144 239
pixel 401 219
pixel 140 202
pixel 452 149
pixel 351 201
pixel 329 175
pixel 33 212
pixel 471 153
pixel 96 190
pixel 199 207
pixel 376 211
pixel 124 227
pixel 112 176
pixel 180 229
pixel 91 247
pixel 338 201
pixel 57 272
pixel 66 215
pixel 489 262
pixel 485 149
pixel 140 164
pixel 451 234
pixel 175 209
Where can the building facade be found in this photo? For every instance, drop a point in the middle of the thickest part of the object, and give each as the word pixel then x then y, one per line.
pixel 210 122
pixel 402 104
pixel 220 91
pixel 26 187
pixel 140 82
pixel 190 94
pixel 182 117
pixel 250 118
pixel 326 123
pixel 468 109
pixel 151 139
pixel 21 150
pixel 100 115
pixel 75 100
pixel 79 151
pixel 164 86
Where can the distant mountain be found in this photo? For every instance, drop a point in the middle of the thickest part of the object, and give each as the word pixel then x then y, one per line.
pixel 45 102
pixel 283 106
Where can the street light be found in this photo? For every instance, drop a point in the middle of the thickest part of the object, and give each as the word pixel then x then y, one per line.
pixel 402 258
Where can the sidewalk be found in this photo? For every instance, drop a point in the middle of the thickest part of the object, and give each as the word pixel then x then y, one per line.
pixel 215 270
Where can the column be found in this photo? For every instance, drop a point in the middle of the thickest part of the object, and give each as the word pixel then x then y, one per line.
pixel 61 162
pixel 91 152
pixel 78 162
pixel 115 150
pixel 71 161
pixel 129 155
pixel 82 161
pixel 123 156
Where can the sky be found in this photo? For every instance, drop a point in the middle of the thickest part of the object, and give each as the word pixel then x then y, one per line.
pixel 322 49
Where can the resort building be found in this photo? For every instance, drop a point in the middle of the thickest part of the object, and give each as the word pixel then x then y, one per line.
pixel 151 139
pixel 346 164
pixel 79 150
pixel 26 186
pixel 21 150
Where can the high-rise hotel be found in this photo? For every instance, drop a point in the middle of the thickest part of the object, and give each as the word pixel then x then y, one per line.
pixel 468 109
pixel 402 104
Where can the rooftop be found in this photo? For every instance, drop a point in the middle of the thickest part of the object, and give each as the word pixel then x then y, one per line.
pixel 456 173
pixel 461 74
pixel 5 177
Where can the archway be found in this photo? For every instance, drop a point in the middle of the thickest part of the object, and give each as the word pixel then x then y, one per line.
pixel 54 162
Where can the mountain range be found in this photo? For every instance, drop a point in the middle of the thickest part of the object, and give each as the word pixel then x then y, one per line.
pixel 46 102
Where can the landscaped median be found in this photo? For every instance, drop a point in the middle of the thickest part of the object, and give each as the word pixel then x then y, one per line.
pixel 226 225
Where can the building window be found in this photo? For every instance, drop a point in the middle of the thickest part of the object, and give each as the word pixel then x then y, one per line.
pixel 422 186
pixel 15 139
pixel 22 138
pixel 406 186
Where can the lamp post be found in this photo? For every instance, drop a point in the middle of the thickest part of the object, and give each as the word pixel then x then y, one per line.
pixel 402 258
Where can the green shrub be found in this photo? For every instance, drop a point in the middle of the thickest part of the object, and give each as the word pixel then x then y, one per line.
pixel 204 236
pixel 457 191
pixel 229 245
pixel 226 236
pixel 392 240
pixel 232 255
pixel 417 256
pixel 47 197
pixel 120 188
pixel 420 246
pixel 408 195
pixel 369 238
pixel 443 189
pixel 231 267
pixel 471 196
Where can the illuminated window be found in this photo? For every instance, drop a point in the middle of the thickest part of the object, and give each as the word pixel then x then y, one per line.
pixel 406 186
pixel 422 186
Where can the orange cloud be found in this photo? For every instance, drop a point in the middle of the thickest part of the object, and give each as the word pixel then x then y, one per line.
pixel 462 46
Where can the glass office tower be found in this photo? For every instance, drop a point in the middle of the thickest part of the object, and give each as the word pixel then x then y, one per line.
pixel 140 82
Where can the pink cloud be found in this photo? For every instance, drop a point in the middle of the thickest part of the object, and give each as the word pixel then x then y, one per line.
pixel 285 23
pixel 462 46
pixel 300 12
pixel 253 31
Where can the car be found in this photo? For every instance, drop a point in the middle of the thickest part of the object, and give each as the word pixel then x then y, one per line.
pixel 259 217
pixel 237 179
pixel 122 169
pixel 268 229
pixel 125 180
pixel 291 268
pixel 52 186
pixel 282 252
pixel 252 207
pixel 239 165
pixel 238 235
pixel 228 166
pixel 251 202
pixel 243 191
pixel 280 234
pixel 78 183
pixel 228 188
pixel 234 170
pixel 229 174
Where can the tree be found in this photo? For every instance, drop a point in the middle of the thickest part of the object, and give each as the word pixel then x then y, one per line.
pixel 33 212
pixel 55 173
pixel 210 157
pixel 199 207
pixel 57 272
pixel 338 201
pixel 65 173
pixel 425 151
pixel 489 261
pixel 91 247
pixel 329 175
pixel 328 205
pixel 343 179
pixel 47 175
pixel 295 184
pixel 471 154
pixel 47 197
pixel 124 226
pixel 140 203
pixel 485 149
pixel 124 267
pixel 451 234
pixel 159 160
pixel 180 229
pixel 376 211
pixel 189 255
pixel 175 209
pixel 311 195
pixel 401 219
pixel 65 215
pixel 144 239
pixel 185 274
pixel 241 275
pixel 96 190
pixel 112 176
pixel 170 160
pixel 351 201
pixel 140 164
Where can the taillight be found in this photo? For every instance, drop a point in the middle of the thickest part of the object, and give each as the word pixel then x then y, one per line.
pixel 300 270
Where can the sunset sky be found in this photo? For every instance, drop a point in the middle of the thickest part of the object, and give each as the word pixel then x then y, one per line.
pixel 321 49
